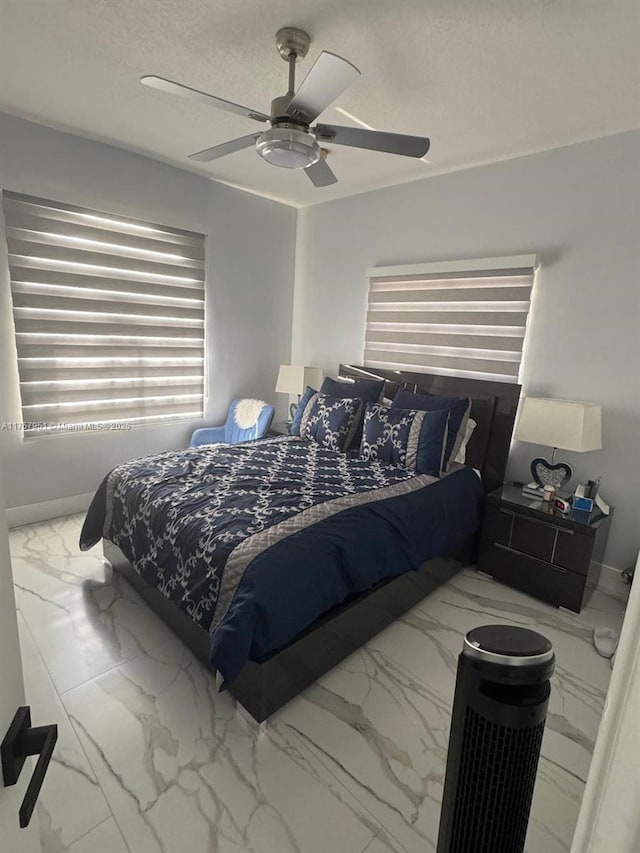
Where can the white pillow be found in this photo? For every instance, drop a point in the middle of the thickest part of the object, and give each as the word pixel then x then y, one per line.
pixel 462 453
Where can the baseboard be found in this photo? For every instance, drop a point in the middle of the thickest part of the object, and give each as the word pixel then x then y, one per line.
pixel 611 582
pixel 46 510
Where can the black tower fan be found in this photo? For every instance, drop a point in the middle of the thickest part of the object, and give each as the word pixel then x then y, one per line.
pixel 499 710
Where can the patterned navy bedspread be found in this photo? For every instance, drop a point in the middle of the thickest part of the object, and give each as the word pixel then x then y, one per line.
pixel 255 541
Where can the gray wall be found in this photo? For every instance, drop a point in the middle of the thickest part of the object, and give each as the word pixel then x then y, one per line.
pixel 250 262
pixel 577 208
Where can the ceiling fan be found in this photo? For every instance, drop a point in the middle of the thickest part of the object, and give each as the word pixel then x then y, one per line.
pixel 290 141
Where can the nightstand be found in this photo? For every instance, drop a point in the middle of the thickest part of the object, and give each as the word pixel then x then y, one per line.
pixel 527 544
pixel 280 428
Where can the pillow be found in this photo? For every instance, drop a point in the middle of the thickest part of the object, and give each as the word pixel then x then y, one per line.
pixel 294 429
pixel 462 453
pixel 331 421
pixel 368 390
pixel 458 407
pixel 414 440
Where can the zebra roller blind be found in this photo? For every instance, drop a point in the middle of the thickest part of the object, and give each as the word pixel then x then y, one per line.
pixel 456 318
pixel 109 316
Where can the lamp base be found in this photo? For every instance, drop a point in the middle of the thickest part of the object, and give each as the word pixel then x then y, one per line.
pixel 556 474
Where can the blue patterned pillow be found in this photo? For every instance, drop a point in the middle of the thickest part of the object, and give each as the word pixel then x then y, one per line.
pixel 367 390
pixel 331 421
pixel 458 408
pixel 410 439
pixel 309 392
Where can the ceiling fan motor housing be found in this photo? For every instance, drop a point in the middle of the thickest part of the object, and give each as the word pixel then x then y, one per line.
pixel 279 108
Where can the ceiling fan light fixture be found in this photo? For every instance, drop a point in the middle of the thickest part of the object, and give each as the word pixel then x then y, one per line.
pixel 288 147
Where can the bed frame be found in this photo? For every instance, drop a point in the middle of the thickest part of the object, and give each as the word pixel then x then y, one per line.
pixel 263 687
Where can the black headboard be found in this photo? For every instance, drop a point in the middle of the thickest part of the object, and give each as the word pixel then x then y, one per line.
pixel 493 407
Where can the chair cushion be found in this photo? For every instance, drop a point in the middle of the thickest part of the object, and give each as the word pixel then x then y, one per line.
pixel 208 435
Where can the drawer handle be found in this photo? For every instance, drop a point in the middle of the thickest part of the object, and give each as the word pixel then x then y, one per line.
pixel 537 559
pixel 537 521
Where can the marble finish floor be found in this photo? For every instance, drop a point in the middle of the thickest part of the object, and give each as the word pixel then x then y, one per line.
pixel 152 759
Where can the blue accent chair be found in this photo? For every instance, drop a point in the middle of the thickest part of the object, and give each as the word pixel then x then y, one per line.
pixel 230 432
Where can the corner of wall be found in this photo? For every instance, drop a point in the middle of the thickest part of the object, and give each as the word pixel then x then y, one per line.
pixel 300 287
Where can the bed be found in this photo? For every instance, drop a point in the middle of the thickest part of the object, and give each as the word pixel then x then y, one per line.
pixel 274 606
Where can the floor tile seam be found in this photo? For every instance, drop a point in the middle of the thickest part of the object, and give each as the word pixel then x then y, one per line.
pixel 73 729
pixel 382 827
pixel 62 693
pixel 378 837
pixel 84 751
pixel 118 826
pixel 370 842
pixel 89 831
pixel 36 647
pixel 112 812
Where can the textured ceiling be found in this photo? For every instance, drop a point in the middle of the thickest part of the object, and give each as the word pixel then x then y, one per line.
pixel 484 79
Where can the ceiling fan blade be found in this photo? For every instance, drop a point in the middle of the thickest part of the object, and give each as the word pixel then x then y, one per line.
pixel 374 140
pixel 329 77
pixel 224 148
pixel 196 95
pixel 320 174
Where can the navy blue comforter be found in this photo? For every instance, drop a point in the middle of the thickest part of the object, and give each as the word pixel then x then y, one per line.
pixel 255 541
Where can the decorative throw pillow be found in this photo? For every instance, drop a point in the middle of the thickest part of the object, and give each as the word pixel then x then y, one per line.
pixel 462 453
pixel 458 408
pixel 309 392
pixel 331 421
pixel 413 440
pixel 368 390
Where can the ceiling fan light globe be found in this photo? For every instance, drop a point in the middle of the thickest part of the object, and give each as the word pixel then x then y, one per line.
pixel 288 148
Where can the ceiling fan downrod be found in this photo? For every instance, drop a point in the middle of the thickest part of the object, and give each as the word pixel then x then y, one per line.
pixel 292 44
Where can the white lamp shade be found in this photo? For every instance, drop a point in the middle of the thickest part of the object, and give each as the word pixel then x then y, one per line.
pixel 565 424
pixel 293 378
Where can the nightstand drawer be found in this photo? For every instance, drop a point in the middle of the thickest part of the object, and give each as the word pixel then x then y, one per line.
pixel 539 538
pixel 542 580
pixel 574 552
pixel 533 537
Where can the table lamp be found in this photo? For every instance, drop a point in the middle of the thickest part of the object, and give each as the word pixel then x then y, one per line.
pixel 560 424
pixel 293 379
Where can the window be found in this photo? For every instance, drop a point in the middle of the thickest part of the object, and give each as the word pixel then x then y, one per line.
pixel 463 318
pixel 109 316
